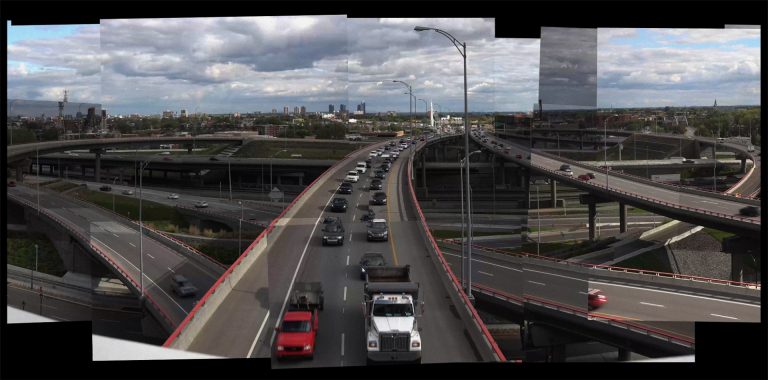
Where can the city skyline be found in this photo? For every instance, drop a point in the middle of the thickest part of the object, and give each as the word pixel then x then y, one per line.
pixel 212 67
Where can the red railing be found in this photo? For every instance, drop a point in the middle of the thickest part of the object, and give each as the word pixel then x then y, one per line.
pixel 242 256
pixel 448 270
pixel 612 268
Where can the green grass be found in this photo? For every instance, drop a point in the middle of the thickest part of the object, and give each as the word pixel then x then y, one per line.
pixel 308 150
pixel 21 252
pixel 655 260
pixel 717 234
pixel 129 207
pixel 637 211
pixel 543 229
pixel 61 186
pixel 224 255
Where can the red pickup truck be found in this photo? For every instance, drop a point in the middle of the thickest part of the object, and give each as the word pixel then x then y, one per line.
pixel 584 177
pixel 298 331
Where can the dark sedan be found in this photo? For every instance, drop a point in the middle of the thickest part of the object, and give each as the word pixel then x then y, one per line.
pixel 345 188
pixel 379 198
pixel 182 287
pixel 377 230
pixel 339 205
pixel 376 184
pixel 333 233
pixel 379 174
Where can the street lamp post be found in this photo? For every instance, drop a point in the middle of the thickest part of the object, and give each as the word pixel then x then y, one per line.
pixel 469 195
pixel 37 149
pixel 410 105
pixel 538 218
pixel 462 49
pixel 426 111
pixel 113 194
pixel 32 278
pixel 270 167
pixel 605 147
pixel 229 169
pixel 142 166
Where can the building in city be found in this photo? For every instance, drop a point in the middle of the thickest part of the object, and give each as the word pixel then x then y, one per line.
pixel 342 108
pixel 285 110
pixel 274 111
pixel 303 110
pixel 167 114
pixel 330 108
pixel 183 113
pixel 295 110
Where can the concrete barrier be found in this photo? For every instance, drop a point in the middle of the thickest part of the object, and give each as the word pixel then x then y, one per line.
pixel 478 332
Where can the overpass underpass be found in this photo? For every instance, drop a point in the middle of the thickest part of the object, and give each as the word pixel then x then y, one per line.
pixel 114 241
pixel 562 295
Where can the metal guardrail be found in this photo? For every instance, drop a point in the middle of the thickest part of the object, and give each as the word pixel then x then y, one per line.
pixel 202 302
pixel 490 341
pixel 749 285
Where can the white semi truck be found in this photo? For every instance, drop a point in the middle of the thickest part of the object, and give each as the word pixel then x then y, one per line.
pixel 389 306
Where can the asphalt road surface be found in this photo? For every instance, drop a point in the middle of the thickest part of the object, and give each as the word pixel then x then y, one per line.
pixel 119 239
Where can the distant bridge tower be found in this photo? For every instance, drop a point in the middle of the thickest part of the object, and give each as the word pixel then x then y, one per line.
pixel 715 105
pixel 61 109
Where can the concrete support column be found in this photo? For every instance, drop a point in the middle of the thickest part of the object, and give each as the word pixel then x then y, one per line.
pixel 622 217
pixel 526 179
pixel 592 219
pixel 97 170
pixel 744 165
pixel 503 173
pixel 581 141
pixel 424 174
pixel 20 173
pixel 624 354
pixel 553 193
pixel 189 149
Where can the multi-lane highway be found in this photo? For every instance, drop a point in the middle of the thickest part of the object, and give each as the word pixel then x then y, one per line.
pixel 687 203
pixel 119 240
pixel 628 298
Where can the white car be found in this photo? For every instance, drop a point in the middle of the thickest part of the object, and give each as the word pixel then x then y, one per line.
pixel 385 156
pixel 201 204
pixel 173 196
pixel 361 167
pixel 352 176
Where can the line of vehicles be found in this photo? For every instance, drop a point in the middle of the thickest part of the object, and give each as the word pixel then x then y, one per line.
pixel 390 297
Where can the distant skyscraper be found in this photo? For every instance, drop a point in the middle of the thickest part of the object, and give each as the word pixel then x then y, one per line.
pixel 715 105
pixel 274 110
pixel 342 108
pixel 363 107
pixel 167 114
pixel 183 113
pixel 303 110
pixel 295 110
pixel 330 108
pixel 359 107
pixel 285 110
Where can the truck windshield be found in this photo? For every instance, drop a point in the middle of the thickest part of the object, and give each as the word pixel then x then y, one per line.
pixel 393 310
pixel 296 326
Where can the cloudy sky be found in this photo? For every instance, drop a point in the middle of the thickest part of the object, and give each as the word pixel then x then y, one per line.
pixel 245 64
pixel 678 67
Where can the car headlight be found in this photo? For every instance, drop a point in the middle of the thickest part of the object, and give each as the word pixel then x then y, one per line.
pixel 385 233
pixel 307 347
pixel 280 348
pixel 362 270
pixel 370 233
pixel 325 237
pixel 373 344
pixel 416 344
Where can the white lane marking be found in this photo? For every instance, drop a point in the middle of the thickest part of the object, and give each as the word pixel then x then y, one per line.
pixel 132 245
pixel 172 271
pixel 651 304
pixel 537 283
pixel 345 293
pixel 347 259
pixel 296 272
pixel 145 275
pixel 350 236
pixel 723 316
pixel 673 293
pixel 150 255
pixel 556 275
pixel 485 273
pixel 485 262
pixel 342 344
pixel 49 306
pixel 116 235
pixel 714 203
pixel 253 345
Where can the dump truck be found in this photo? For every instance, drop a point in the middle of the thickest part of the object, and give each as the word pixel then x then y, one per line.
pixel 297 333
pixel 389 307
